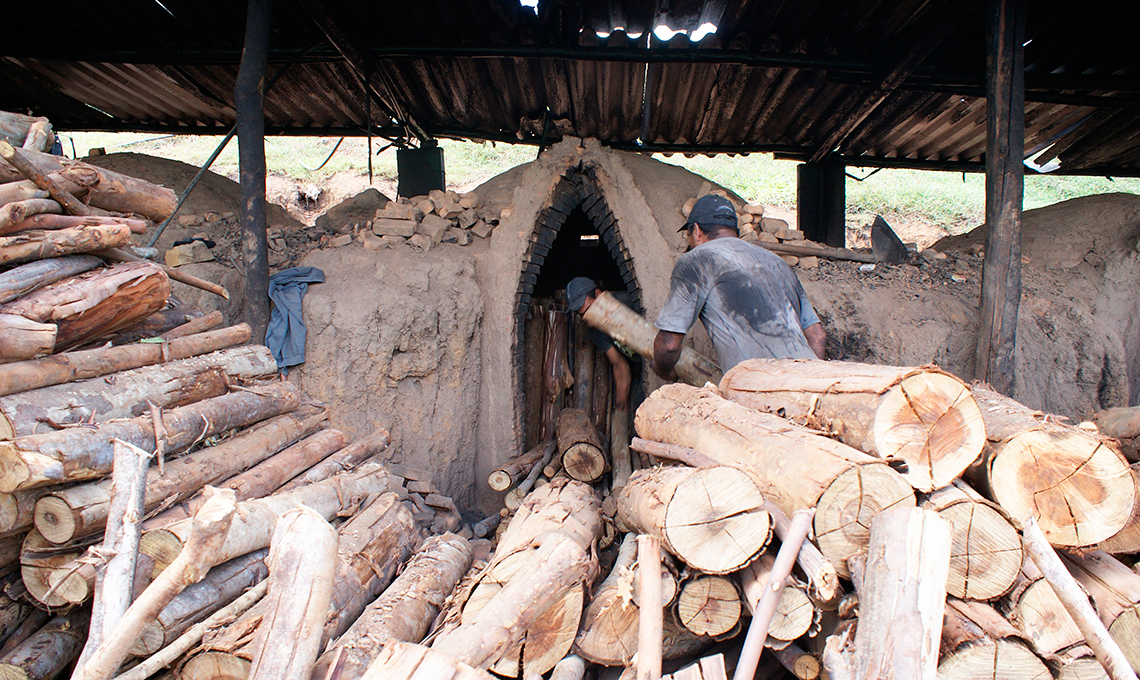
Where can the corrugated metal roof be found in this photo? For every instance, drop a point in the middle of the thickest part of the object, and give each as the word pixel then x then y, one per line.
pixel 777 75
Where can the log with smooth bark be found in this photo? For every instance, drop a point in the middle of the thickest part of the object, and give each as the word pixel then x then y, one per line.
pixel 17 511
pixel 14 192
pixel 619 449
pixel 28 625
pixel 210 527
pixel 1077 484
pixel 558 566
pixel 985 555
pixel 158 323
pixel 608 634
pixel 553 379
pixel 100 187
pixel 40 136
pixel 578 443
pixel 37 245
pixel 22 339
pixel 583 367
pixel 602 388
pixel 180 275
pixel 169 385
pixel 1115 590
pixel 78 454
pixel 24 279
pixel 200 324
pixel 713 519
pixel 374 545
pixel 902 601
pixel 349 458
pixel 255 520
pixel 16 212
pixel 534 344
pixel 1035 610
pixel 795 612
pixel 49 651
pixel 565 508
pixel 49 221
pixel 65 514
pixel 13 613
pixel 621 323
pixel 18 159
pixel 71 366
pixel 650 623
pixel 802 665
pixel 223 584
pixel 515 469
pixel 405 610
pixel 302 559
pixel 14 127
pixel 920 415
pixel 795 468
pixel 406 661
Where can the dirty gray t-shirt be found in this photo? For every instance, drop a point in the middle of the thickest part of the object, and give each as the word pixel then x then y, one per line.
pixel 748 299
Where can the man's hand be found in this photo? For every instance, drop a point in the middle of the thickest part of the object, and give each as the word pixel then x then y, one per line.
pixel 666 353
pixel 817 339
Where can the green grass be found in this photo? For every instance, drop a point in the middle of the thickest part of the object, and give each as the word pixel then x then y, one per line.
pixel 943 198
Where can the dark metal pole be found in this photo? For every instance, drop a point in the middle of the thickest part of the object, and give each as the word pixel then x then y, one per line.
pixel 251 165
pixel 1005 148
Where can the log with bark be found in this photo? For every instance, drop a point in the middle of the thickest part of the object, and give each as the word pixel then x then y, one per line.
pixel 71 366
pixel 709 606
pixel 302 559
pixel 349 458
pixel 608 634
pixel 553 379
pixel 621 323
pixel 602 389
pixel 39 559
pixel 256 518
pixel 40 136
pixel 1077 484
pixel 158 323
pixel 1115 590
pixel 795 468
pixel 15 192
pixel 199 324
pixel 583 368
pixel 920 415
pixel 795 612
pixel 1122 424
pixel 979 643
pixel 1127 540
pixel 50 221
pixel 619 449
pixel 22 339
pixel 180 275
pixel 37 245
pixel 566 509
pixel 15 213
pixel 713 519
pixel 985 555
pixel 515 469
pixel 223 584
pixel 532 392
pixel 169 385
pixel 578 443
pixel 77 454
pixel 19 159
pixel 49 651
pixel 66 514
pixel 823 587
pixel 14 127
pixel 405 610
pixel 27 627
pixel 405 661
pixel 1034 609
pixel 101 188
pixel 24 279
pixel 95 303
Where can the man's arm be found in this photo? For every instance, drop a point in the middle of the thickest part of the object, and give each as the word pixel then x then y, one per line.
pixel 817 339
pixel 622 378
pixel 666 352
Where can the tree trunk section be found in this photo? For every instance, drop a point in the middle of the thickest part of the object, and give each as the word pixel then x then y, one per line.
pixel 38 245
pixel 1076 483
pixel 903 596
pixel 406 609
pixel 50 221
pixel 302 564
pixel 14 127
pixel 535 342
pixel 1115 590
pixel 923 416
pixel 16 212
pixel 81 510
pixel 795 612
pixel 1122 424
pixel 709 605
pixel 347 459
pixel 621 323
pixel 795 468
pixel 603 386
pixel 985 551
pixel 102 188
pixel 553 358
pixel 713 519
pixel 578 442
pixel 78 454
pixel 170 385
pixel 22 339
pixel 158 323
pixel 223 584
pixel 583 368
pixel 24 279
pixel 515 469
pixel 619 449
pixel 1127 540
pixel 823 587
pixel 49 651
pixel 71 366
pixel 257 518
pixel 15 192
pixel 1035 610
pixel 608 634
pixel 405 661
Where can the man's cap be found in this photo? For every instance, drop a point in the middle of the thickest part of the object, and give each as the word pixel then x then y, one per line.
pixel 711 212
pixel 577 290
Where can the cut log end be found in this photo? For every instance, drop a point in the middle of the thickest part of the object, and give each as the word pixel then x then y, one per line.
pixel 499 481
pixel 846 508
pixel 1080 490
pixel 716 520
pixel 1000 660
pixel 584 462
pixel 215 666
pixel 54 519
pixel 162 546
pixel 931 421
pixel 13 470
pixel 986 553
pixel 709 605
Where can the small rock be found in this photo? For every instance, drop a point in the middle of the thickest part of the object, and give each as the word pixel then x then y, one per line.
pixel 340 241
pixel 389 227
pixel 786 234
pixel 505 213
pixel 765 237
pixel 719 192
pixel 201 235
pixel 423 204
pixel 754 209
pixel 229 216
pixel 467 218
pixel 421 242
pixel 277 244
pixel 463 238
pixel 372 241
pixel 188 253
pixel 772 225
pixel 273 232
pixel 481 229
pixel 393 241
pixel 977 249
pixel 433 227
pixel 449 209
pixel 451 235
pixel 189 220
pixel 211 216
pixel 932 255
pixel 399 211
pixel 809 262
pixel 470 200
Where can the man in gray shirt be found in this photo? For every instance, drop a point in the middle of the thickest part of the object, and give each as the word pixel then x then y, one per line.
pixel 748 299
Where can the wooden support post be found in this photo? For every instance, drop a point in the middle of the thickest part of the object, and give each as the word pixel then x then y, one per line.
pixel 1005 145
pixel 248 91
pixel 649 626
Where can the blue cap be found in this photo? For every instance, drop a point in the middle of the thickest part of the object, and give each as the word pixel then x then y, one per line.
pixel 712 212
pixel 577 290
